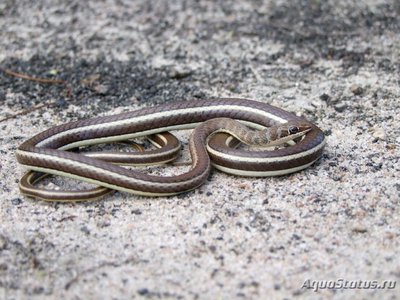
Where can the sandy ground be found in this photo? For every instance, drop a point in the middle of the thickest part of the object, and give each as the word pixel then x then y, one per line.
pixel 334 62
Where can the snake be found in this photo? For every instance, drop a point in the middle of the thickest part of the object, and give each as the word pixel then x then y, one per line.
pixel 285 143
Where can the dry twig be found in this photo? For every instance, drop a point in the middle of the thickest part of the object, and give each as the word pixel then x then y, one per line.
pixel 35 79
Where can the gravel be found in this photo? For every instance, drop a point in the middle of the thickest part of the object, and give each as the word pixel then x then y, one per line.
pixel 334 62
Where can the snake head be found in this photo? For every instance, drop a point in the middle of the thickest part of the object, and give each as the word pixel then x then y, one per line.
pixel 292 130
pixel 297 127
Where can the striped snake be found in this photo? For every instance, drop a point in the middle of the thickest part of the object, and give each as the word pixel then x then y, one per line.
pixel 219 125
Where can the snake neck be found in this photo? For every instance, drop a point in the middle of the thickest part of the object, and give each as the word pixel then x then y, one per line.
pixel 243 133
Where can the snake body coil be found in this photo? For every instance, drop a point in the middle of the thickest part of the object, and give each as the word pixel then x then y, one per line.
pixel 211 142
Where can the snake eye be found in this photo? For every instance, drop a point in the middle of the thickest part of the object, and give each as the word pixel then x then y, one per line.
pixel 293 129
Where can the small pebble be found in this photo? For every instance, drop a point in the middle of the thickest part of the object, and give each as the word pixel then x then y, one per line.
pixel 325 97
pixel 103 223
pixel 101 89
pixel 340 107
pixel 143 291
pixel 3 243
pixel 61 102
pixel 379 133
pixel 359 229
pixel 85 230
pixel 356 89
pixel 316 103
pixel 178 72
pixel 16 201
